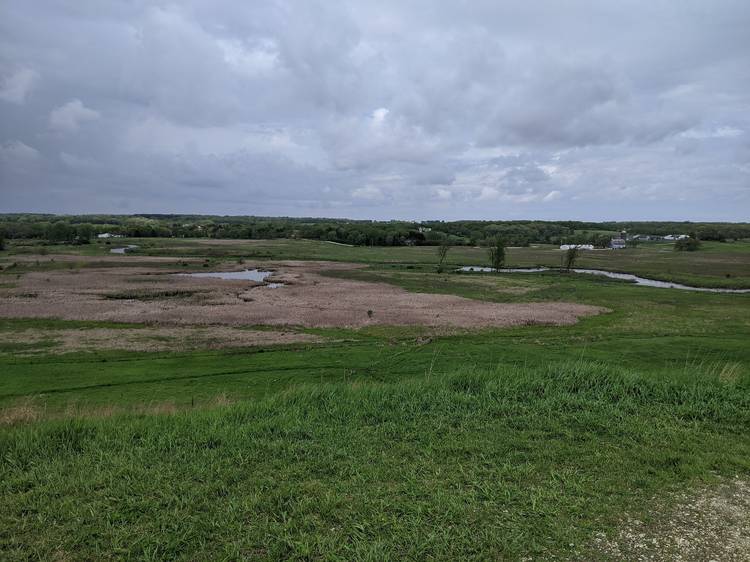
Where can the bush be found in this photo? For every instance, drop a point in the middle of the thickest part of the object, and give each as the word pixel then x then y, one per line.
pixel 687 245
pixel 571 255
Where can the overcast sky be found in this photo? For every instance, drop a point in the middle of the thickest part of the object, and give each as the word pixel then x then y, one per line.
pixel 383 109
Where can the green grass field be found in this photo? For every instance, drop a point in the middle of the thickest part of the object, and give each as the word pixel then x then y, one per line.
pixel 383 442
pixel 714 265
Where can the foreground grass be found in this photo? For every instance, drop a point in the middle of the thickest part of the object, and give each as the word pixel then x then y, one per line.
pixel 497 464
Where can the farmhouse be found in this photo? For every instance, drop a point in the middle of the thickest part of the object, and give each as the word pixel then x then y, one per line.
pixel 619 242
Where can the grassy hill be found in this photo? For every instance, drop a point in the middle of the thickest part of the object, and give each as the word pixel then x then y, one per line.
pixel 486 464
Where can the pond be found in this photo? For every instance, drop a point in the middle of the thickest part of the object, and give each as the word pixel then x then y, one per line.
pixel 123 250
pixel 257 275
pixel 613 275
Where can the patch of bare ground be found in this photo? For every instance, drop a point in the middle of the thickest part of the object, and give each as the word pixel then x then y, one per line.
pixel 708 524
pixel 161 338
pixel 307 299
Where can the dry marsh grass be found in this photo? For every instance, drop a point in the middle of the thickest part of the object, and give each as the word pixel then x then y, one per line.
pixel 141 294
pixel 30 410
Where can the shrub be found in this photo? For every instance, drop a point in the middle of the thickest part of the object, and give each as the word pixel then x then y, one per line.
pixel 571 255
pixel 687 245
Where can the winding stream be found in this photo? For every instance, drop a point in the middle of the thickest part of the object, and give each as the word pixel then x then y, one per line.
pixel 611 274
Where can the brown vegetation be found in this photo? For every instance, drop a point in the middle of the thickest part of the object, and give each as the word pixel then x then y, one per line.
pixel 308 299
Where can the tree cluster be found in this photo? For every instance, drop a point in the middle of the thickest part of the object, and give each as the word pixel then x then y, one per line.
pixel 689 244
pixel 81 228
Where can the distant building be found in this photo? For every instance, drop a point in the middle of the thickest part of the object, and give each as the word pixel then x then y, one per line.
pixel 108 235
pixel 578 246
pixel 619 242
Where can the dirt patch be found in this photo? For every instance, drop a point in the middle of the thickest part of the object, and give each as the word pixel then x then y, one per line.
pixel 164 338
pixel 712 523
pixel 307 299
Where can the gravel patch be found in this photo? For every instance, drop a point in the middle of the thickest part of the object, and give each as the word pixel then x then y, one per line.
pixel 710 524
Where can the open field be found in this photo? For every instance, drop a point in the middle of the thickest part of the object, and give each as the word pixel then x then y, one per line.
pixel 715 265
pixel 151 416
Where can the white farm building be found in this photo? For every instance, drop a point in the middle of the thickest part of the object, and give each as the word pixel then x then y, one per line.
pixel 577 246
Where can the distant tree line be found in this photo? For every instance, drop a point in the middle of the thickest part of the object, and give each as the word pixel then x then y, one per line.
pixel 82 228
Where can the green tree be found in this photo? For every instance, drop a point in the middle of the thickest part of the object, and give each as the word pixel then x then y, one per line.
pixel 496 254
pixel 571 256
pixel 61 231
pixel 84 233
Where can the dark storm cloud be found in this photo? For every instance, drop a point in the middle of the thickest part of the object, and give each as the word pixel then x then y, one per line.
pixel 377 109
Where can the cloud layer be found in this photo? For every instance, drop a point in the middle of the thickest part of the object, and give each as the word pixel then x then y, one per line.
pixel 610 110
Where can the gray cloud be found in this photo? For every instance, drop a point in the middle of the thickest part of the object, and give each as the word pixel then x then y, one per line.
pixel 69 117
pixel 377 109
pixel 16 85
